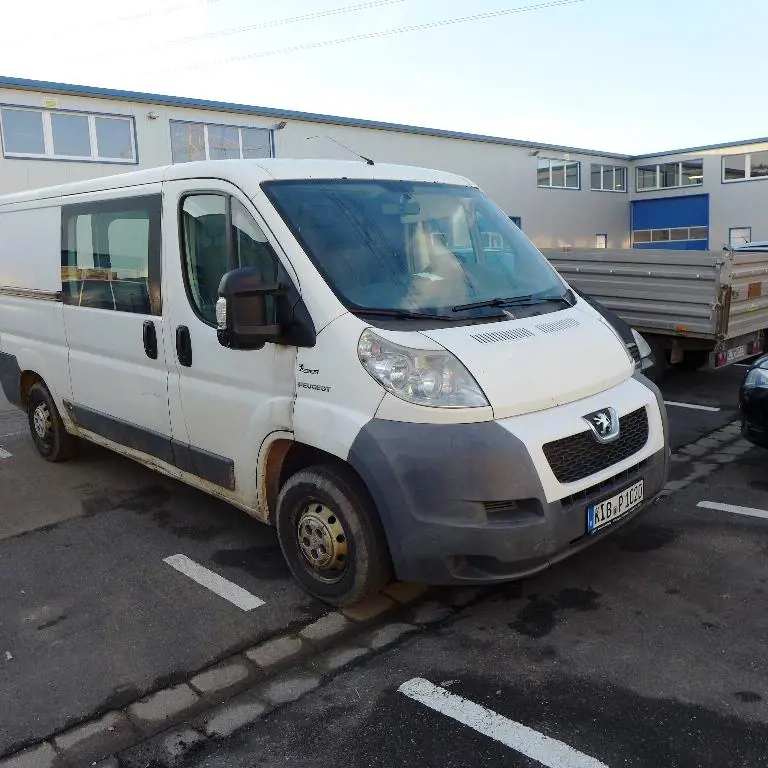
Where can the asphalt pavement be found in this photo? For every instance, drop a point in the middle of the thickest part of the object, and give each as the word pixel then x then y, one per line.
pixel 647 650
pixel 92 616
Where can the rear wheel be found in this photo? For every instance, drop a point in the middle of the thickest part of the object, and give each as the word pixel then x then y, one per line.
pixel 331 536
pixel 51 439
pixel 693 359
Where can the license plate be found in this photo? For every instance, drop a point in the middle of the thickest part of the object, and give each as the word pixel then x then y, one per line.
pixel 737 353
pixel 607 511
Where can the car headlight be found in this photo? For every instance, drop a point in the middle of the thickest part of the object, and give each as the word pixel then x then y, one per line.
pixel 643 347
pixel 757 377
pixel 424 377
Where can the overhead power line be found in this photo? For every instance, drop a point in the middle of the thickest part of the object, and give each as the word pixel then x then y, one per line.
pixel 155 12
pixel 283 22
pixel 380 33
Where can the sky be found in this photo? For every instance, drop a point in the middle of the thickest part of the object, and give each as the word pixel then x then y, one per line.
pixel 627 76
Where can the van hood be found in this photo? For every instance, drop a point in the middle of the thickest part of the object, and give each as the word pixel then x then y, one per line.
pixel 539 362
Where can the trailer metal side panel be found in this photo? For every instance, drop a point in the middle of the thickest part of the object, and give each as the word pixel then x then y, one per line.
pixel 662 291
pixel 749 293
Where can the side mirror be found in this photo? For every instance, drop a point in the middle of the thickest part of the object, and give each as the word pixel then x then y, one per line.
pixel 246 312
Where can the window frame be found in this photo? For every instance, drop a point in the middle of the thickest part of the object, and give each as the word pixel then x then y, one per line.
pixel 564 164
pixel 228 196
pixel 747 168
pixel 206 144
pixel 669 238
pixel 152 202
pixel 49 153
pixel 679 175
pixel 613 168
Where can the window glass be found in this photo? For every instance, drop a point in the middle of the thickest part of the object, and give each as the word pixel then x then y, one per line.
pixel 758 164
pixel 620 178
pixel 114 138
pixel 256 143
pixel 601 241
pixel 659 235
pixel 734 167
pixel 678 234
pixel 597 177
pixel 572 175
pixel 71 135
pixel 223 142
pixel 558 174
pixel 698 233
pixel 187 142
pixel 646 177
pixel 670 174
pixel 210 252
pixel 23 131
pixel 642 236
pixel 107 256
pixel 543 173
pixel 412 245
pixel 692 172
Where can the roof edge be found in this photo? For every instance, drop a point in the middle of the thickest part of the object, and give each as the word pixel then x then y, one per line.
pixel 184 101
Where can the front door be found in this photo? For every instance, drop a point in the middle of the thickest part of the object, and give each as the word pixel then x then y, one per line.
pixel 229 400
pixel 111 266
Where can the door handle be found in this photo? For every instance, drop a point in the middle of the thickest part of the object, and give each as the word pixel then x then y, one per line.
pixel 183 346
pixel 150 339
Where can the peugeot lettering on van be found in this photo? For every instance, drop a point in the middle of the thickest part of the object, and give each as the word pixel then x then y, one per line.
pixel 371 358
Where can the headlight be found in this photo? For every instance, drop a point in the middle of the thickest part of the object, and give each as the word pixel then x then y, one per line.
pixel 642 345
pixel 757 377
pixel 424 377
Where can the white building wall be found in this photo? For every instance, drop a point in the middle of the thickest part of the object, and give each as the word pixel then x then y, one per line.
pixel 550 217
pixel 731 204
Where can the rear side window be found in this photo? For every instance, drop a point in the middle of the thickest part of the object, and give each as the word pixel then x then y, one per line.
pixel 219 235
pixel 111 255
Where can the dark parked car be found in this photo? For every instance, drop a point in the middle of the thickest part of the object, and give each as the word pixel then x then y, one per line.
pixel 753 403
pixel 638 347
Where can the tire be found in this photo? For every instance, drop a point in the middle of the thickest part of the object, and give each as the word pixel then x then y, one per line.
pixel 331 536
pixel 51 439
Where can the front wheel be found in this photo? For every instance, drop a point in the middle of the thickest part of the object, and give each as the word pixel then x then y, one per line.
pixel 52 440
pixel 331 536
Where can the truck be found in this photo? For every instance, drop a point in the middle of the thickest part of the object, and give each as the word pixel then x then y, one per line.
pixel 696 309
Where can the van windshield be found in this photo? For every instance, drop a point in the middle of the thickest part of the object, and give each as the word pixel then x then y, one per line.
pixel 414 247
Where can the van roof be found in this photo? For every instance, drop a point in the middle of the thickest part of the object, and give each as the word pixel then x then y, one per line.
pixel 243 173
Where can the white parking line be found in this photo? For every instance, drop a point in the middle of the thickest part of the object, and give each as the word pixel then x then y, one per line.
pixel 692 406
pixel 537 746
pixel 5 454
pixel 750 511
pixel 218 584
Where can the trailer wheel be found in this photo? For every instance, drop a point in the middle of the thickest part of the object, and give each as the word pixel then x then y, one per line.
pixel 51 439
pixel 331 536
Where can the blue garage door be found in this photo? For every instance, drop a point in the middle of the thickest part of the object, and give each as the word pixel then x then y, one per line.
pixel 680 223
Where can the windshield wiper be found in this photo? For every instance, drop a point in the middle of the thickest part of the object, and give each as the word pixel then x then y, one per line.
pixel 517 301
pixel 400 314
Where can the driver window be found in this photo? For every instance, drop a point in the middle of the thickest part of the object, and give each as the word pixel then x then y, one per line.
pixel 220 235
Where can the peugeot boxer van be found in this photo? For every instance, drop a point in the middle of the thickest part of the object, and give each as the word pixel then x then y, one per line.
pixel 374 359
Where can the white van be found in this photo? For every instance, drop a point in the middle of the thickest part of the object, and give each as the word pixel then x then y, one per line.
pixel 372 358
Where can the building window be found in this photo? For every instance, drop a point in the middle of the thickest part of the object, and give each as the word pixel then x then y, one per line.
pixel 686 173
pixel 746 166
pixel 558 174
pixel 739 236
pixel 60 135
pixel 675 234
pixel 609 178
pixel 601 241
pixel 111 255
pixel 202 141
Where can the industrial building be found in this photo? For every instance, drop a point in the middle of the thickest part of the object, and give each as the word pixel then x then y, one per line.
pixel 700 198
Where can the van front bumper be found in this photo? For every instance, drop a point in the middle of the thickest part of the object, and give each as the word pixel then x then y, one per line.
pixel 465 503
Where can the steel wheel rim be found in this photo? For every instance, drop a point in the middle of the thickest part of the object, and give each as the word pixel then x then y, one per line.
pixel 42 423
pixel 322 541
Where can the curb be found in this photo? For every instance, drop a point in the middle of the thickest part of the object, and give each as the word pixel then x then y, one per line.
pixel 166 726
